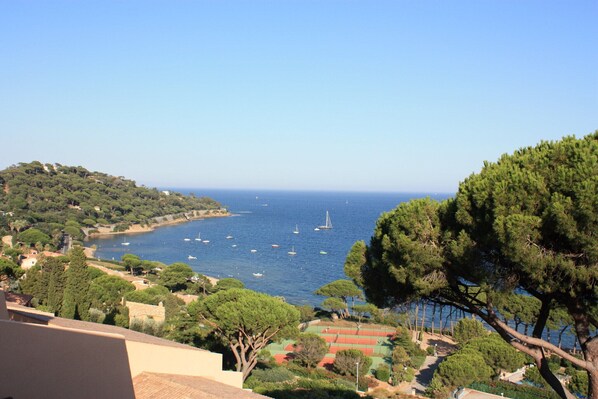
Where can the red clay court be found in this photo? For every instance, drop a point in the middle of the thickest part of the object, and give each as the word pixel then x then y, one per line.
pixel 366 333
pixel 349 340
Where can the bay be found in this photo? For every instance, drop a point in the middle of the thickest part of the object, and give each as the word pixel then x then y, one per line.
pixel 261 219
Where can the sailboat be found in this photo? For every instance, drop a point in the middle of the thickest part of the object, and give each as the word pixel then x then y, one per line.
pixel 328 224
pixel 125 243
pixel 296 231
pixel 292 252
pixel 198 237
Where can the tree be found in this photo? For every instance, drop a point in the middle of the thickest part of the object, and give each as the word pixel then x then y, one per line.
pixel 9 271
pixel 228 283
pixel 33 236
pixel 362 309
pixel 497 353
pixel 525 224
pixel 131 262
pixel 460 369
pixel 347 361
pixel 106 292
pixel 341 289
pixel 247 321
pixel 310 349
pixel 75 304
pixel 335 305
pixel 176 276
pixel 468 329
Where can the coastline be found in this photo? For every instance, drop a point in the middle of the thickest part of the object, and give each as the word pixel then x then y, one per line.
pixel 138 229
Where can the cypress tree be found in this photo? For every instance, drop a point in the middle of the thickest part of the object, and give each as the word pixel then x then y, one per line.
pixel 56 282
pixel 76 302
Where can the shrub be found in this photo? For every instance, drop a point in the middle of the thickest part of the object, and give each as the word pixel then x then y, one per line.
pixel 277 374
pixel 430 351
pixel 345 362
pixel 383 372
pixel 96 316
pixel 310 349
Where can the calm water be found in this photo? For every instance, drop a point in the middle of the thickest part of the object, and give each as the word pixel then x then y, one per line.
pixel 263 218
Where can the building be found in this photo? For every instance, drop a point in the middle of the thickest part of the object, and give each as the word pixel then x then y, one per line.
pixel 52 357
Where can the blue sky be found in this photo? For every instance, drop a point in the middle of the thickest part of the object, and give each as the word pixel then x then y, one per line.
pixel 320 95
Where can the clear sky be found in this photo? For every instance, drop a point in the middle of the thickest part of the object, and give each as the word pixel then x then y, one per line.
pixel 323 95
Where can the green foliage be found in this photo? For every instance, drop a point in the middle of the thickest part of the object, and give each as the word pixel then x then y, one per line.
pixel 228 283
pixel 9 270
pixel 176 276
pixel 106 292
pixel 362 309
pixel 334 305
pixel 277 374
pixel 579 382
pixel 33 236
pixel 468 329
pixel 461 369
pixel 383 372
pixel 310 349
pixel 70 196
pixel 346 359
pixel 75 303
pixel 514 391
pixel 523 224
pixel 342 289
pixel 355 261
pixel 247 320
pixel 306 313
pixel 497 353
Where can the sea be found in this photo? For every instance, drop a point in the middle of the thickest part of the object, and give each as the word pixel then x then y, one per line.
pixel 260 219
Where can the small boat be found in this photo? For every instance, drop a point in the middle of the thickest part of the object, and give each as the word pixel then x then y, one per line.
pixel 296 231
pixel 323 253
pixel 125 243
pixel 317 229
pixel 328 224
pixel 186 239
pixel 229 237
pixel 253 251
pixel 292 252
pixel 275 246
pixel 234 245
pixel 206 241
pixel 191 257
pixel 257 274
pixel 198 237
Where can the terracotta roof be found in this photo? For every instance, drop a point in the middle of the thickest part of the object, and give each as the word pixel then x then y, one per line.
pixel 129 335
pixel 174 386
pixel 21 299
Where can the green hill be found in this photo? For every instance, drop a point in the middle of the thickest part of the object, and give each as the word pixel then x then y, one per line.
pixel 55 198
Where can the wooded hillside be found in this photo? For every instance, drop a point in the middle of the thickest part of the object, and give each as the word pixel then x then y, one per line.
pixel 52 197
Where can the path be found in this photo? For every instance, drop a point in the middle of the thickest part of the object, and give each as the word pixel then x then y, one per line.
pixel 137 281
pixel 424 376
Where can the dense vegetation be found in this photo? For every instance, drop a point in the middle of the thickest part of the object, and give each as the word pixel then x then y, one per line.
pixel 54 198
pixel 525 224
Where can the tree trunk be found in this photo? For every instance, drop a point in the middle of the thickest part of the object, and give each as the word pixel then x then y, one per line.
pixel 416 314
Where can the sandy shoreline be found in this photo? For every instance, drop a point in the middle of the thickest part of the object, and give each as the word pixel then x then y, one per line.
pixel 138 229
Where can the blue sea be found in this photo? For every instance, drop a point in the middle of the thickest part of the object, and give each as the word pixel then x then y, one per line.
pixel 261 219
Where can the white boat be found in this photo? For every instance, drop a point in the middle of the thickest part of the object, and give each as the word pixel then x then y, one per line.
pixel 292 252
pixel 328 224
pixel 125 243
pixel 191 257
pixel 198 237
pixel 323 253
pixel 229 237
pixel 317 229
pixel 234 245
pixel 296 231
pixel 253 251
pixel 275 245
pixel 206 241
pixel 257 274
pixel 186 239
